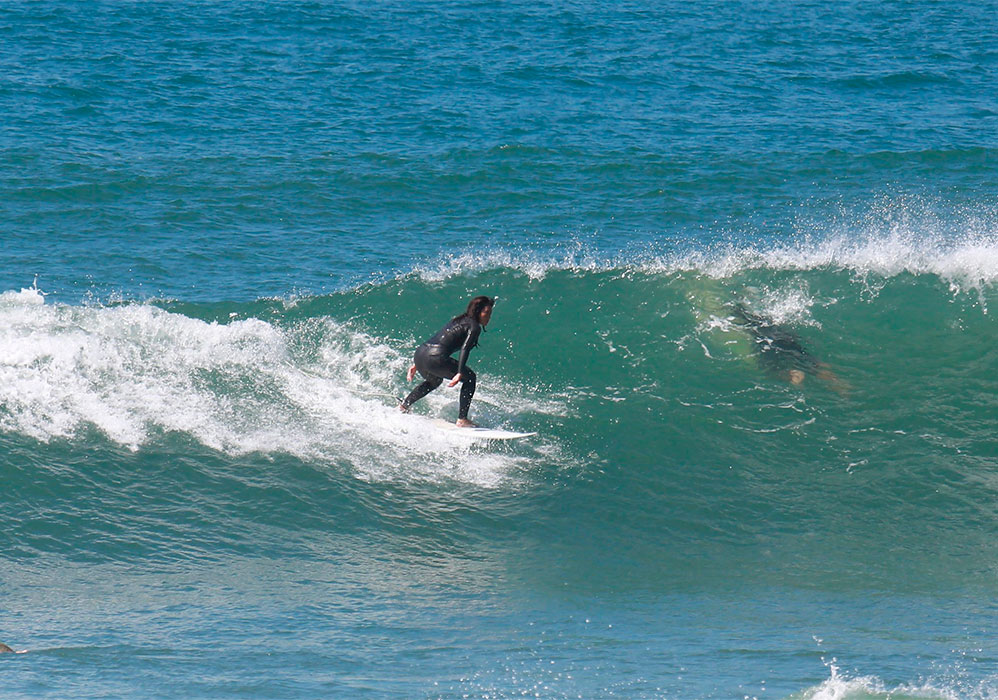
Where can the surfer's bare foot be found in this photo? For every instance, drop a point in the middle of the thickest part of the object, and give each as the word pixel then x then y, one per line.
pixel 403 408
pixel 465 423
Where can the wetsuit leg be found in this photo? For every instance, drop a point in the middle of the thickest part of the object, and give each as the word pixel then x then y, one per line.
pixel 422 390
pixel 468 381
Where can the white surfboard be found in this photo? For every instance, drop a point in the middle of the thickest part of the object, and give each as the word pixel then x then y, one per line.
pixel 478 433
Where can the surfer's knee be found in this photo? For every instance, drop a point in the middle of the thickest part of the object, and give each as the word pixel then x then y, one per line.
pixel 429 384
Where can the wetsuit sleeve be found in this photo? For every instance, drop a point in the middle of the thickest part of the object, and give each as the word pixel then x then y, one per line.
pixel 470 341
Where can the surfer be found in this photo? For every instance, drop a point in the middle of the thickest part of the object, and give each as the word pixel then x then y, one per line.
pixel 781 352
pixel 4 649
pixel 434 362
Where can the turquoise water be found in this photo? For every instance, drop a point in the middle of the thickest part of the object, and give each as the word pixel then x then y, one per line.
pixel 225 227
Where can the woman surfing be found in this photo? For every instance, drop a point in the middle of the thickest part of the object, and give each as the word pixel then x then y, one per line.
pixel 434 362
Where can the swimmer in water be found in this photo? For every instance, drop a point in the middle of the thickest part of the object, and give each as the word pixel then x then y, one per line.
pixel 434 362
pixel 781 352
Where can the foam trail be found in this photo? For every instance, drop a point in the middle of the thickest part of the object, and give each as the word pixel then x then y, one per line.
pixel 135 372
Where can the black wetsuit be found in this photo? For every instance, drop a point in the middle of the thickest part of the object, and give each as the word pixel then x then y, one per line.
pixel 780 349
pixel 433 360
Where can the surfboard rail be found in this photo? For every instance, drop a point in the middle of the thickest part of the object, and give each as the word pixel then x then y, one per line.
pixel 480 432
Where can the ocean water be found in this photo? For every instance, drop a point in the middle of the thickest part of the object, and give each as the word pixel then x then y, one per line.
pixel 747 261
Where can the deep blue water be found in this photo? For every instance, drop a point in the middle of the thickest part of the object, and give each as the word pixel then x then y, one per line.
pixel 225 226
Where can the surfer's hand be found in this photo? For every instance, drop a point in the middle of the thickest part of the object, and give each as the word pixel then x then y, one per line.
pixel 412 372
pixel 455 380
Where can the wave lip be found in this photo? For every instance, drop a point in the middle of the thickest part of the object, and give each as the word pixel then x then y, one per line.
pixel 969 262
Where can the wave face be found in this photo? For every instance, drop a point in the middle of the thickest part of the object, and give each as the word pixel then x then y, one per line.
pixel 672 380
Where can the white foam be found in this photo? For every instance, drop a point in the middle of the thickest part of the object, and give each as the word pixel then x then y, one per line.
pixel 869 687
pixel 790 304
pixel 535 265
pixel 27 296
pixel 842 687
pixel 136 371
pixel 891 239
pixel 966 264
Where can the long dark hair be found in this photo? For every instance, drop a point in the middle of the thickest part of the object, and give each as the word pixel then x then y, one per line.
pixel 475 307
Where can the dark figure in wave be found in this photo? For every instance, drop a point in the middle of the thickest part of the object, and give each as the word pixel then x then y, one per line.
pixel 780 351
pixel 434 362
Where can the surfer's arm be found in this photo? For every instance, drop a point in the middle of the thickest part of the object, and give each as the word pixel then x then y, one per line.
pixel 470 341
pixel 412 373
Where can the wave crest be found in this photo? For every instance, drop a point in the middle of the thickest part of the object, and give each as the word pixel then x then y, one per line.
pixel 969 263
